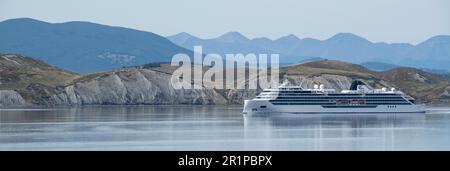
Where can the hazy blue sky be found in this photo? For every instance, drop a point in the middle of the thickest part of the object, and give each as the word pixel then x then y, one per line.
pixel 378 20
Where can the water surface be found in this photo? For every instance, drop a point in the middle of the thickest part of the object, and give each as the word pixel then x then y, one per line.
pixel 217 128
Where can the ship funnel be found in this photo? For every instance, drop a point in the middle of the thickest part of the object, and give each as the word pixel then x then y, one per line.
pixel 355 84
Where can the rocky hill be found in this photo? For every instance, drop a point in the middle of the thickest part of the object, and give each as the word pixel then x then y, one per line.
pixel 25 81
pixel 428 88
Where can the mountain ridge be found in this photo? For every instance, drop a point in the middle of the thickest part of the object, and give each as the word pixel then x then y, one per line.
pixel 84 46
pixel 90 47
pixel 341 46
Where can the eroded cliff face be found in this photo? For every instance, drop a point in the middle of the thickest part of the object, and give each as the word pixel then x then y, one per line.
pixel 10 98
pixel 132 86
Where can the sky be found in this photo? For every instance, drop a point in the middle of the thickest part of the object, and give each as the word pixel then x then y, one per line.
pixel 392 21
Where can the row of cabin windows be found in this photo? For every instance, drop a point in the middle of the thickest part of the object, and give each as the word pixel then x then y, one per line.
pixel 333 101
pixel 292 103
pixel 322 99
pixel 386 97
pixel 324 96
pixel 314 94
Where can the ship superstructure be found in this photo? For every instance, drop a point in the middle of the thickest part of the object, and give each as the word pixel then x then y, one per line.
pixel 360 98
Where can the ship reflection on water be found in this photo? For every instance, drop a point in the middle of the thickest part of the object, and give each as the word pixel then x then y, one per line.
pixel 332 120
pixel 346 131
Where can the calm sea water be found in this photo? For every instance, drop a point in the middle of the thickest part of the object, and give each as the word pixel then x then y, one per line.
pixel 217 128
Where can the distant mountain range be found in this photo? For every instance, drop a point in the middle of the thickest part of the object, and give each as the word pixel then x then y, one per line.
pixel 88 47
pixel 83 46
pixel 433 53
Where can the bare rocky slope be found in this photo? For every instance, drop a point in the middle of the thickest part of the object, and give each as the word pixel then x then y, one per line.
pixel 25 81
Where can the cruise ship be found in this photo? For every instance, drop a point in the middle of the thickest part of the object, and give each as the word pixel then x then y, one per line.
pixel 360 98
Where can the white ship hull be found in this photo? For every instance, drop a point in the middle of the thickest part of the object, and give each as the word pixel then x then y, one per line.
pixel 262 106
